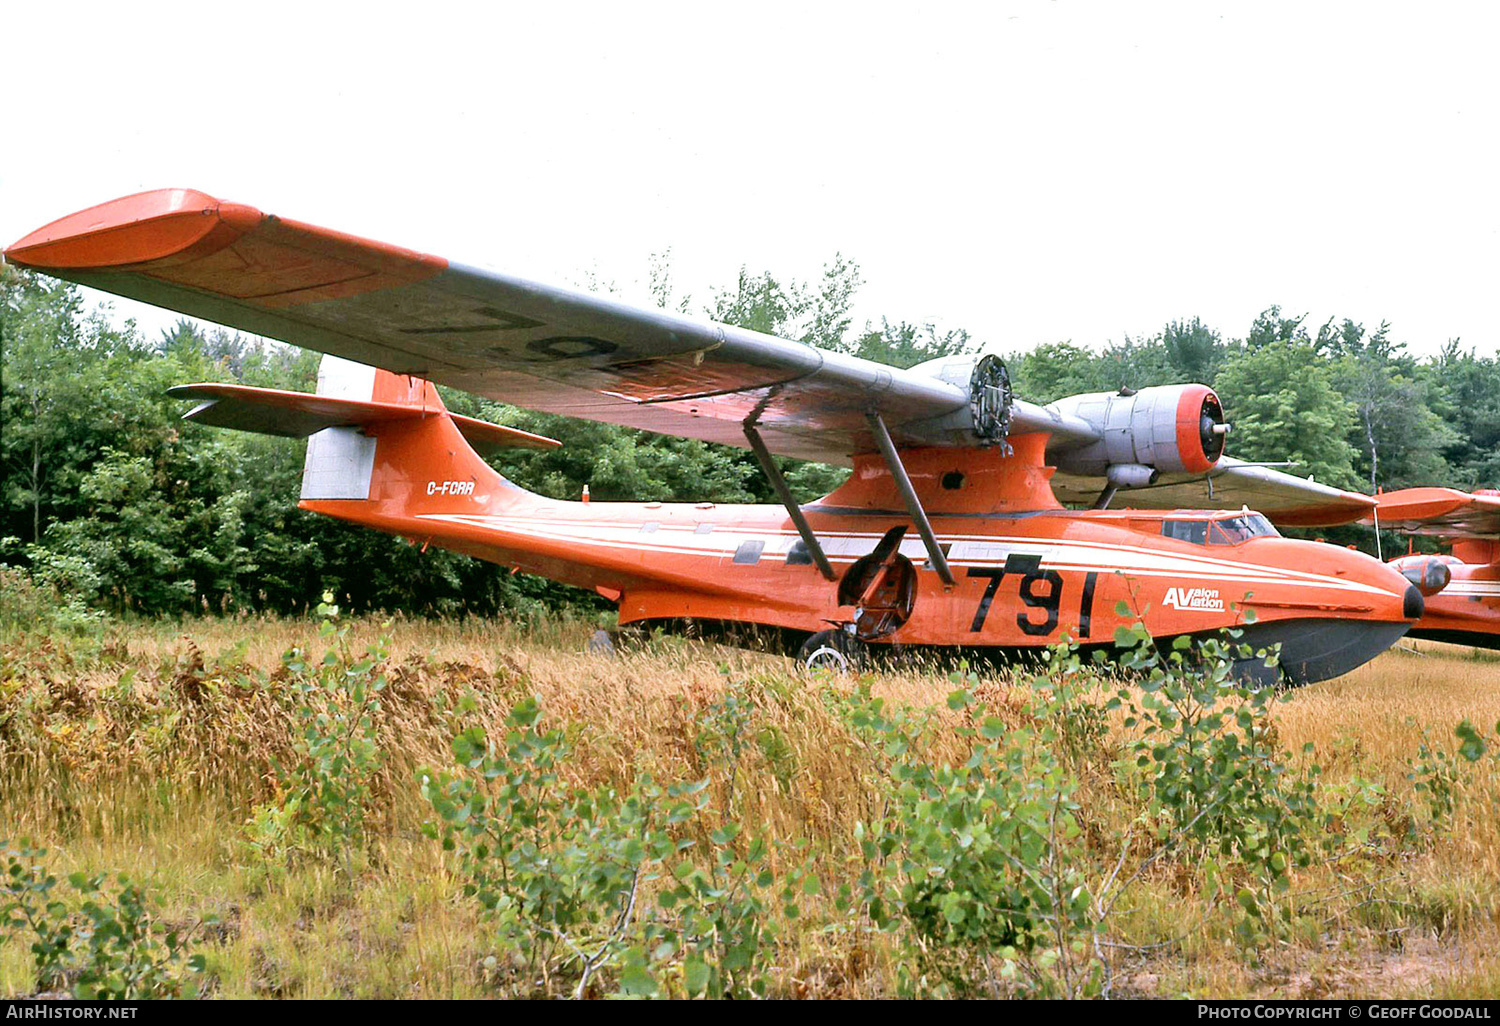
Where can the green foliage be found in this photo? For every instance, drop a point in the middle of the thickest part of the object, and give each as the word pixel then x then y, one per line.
pixel 106 946
pixel 724 732
pixel 710 927
pixel 560 871
pixel 982 860
pixel 1213 777
pixel 1194 349
pixel 1056 369
pixel 1401 414
pixel 31 906
pixel 51 599
pixel 1284 406
pixel 1438 777
pixel 277 835
pixel 984 865
pixel 906 345
pixel 129 955
pixel 1472 385
pixel 326 792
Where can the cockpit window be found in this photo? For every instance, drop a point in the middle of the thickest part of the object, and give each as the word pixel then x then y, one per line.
pixel 1226 531
pixel 1233 530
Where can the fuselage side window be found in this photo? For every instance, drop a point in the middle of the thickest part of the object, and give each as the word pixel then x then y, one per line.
pixel 1195 531
pixel 748 553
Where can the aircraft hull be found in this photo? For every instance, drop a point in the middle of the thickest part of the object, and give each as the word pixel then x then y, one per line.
pixel 1474 639
pixel 1314 650
pixel 1023 581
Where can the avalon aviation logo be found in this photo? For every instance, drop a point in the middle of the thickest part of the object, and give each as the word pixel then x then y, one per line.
pixel 1200 599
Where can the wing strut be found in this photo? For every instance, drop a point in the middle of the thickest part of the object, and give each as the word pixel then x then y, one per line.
pixel 784 493
pixel 913 504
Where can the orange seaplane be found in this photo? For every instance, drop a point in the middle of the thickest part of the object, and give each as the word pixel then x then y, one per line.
pixel 951 531
pixel 1462 588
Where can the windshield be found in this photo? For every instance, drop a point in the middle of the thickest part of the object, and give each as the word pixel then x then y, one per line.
pixel 1227 531
pixel 1234 530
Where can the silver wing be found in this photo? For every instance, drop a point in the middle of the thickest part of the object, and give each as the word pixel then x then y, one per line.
pixel 512 340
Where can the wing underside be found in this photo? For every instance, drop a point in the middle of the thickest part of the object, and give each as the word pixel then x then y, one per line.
pixel 1288 500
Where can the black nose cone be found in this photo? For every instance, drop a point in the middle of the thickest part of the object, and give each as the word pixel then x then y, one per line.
pixel 1412 607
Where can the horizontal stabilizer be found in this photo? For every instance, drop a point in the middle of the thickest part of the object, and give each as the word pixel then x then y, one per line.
pixel 271 411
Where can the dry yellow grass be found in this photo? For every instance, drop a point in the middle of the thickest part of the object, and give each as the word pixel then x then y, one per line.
pixel 1386 702
pixel 147 757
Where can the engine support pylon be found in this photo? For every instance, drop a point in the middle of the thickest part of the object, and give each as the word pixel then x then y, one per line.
pixel 909 495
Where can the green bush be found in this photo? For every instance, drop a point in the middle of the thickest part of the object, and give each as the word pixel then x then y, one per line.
pixel 560 872
pixel 53 598
pixel 1212 777
pixel 982 867
pixel 106 946
pixel 981 862
pixel 326 791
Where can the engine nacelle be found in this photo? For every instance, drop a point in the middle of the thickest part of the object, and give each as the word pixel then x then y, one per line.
pixel 1170 428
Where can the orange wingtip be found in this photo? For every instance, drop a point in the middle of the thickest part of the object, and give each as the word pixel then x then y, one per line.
pixel 188 238
pixel 143 228
pixel 1327 515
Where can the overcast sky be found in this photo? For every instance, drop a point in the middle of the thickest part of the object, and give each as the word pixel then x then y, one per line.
pixel 1030 171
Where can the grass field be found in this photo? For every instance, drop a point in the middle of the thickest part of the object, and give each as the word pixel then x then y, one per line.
pixel 148 749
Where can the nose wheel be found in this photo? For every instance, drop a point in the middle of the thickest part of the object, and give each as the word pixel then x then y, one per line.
pixel 835 651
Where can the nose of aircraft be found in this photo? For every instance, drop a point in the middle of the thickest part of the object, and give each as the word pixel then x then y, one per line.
pixel 1320 648
pixel 1413 605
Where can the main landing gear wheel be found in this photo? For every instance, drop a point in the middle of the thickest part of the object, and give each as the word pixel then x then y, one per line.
pixel 835 650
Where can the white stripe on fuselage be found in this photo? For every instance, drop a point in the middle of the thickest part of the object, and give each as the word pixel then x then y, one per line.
pixel 965 550
pixel 1472 588
pixel 858 543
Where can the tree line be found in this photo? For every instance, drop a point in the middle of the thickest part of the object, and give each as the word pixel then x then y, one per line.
pixel 107 495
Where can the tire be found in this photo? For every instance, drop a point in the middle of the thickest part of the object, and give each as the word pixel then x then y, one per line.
pixel 833 651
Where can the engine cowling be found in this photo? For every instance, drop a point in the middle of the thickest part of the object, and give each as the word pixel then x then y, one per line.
pixel 1169 428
